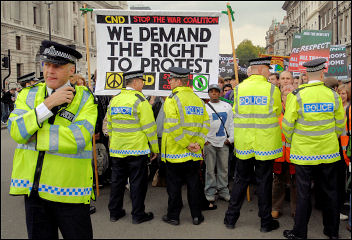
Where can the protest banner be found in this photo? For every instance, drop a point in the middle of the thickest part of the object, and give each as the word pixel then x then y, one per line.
pixel 337 62
pixel 226 65
pixel 293 63
pixel 314 44
pixel 278 63
pixel 153 41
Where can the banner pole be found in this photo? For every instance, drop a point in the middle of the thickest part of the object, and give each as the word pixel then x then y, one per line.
pixel 90 86
pixel 233 43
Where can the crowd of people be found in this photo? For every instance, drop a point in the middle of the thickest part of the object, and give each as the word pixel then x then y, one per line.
pixel 265 129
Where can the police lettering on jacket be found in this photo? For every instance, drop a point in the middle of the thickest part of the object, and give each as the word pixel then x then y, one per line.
pixel 318 107
pixel 253 100
pixel 194 110
pixel 121 110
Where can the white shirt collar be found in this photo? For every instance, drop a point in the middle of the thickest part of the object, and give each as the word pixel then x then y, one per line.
pixel 130 88
pixel 313 81
pixel 50 90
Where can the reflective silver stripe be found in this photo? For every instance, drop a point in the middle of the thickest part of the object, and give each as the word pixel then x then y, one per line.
pixel 271 98
pixel 236 101
pixel 154 142
pixel 254 115
pixel 22 128
pixel 179 137
pixel 180 109
pixel 27 146
pixel 169 130
pixel 54 138
pixel 121 121
pixel 171 120
pixel 287 131
pixel 256 125
pixel 344 148
pixel 31 97
pixel 288 139
pixel 314 123
pixel 300 109
pixel 192 124
pixel 87 125
pixel 126 129
pixel 338 129
pixel 109 130
pixel 314 133
pixel 149 135
pixel 80 155
pixel 77 133
pixel 149 125
pixel 336 96
pixel 19 111
pixel 288 123
pixel 135 109
pixel 340 121
pixel 83 101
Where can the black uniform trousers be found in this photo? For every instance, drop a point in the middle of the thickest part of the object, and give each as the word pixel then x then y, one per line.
pixel 176 175
pixel 134 168
pixel 326 177
pixel 264 177
pixel 44 218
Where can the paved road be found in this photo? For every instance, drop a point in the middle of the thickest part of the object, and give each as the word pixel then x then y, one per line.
pixel 13 223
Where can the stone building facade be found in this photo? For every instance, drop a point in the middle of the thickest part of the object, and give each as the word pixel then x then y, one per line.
pixel 24 24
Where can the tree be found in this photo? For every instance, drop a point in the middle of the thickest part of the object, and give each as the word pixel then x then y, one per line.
pixel 246 51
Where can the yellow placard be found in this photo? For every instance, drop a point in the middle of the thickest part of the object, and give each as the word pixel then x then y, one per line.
pixel 114 80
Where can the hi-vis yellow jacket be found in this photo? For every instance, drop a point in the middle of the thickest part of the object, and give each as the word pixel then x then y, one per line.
pixel 186 121
pixel 54 159
pixel 313 120
pixel 257 133
pixel 131 125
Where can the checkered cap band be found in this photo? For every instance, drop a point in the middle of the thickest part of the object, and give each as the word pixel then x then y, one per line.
pixel 261 62
pixel 316 68
pixel 174 75
pixel 27 78
pixel 51 51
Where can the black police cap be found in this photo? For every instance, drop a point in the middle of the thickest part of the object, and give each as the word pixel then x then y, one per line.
pixel 26 78
pixel 57 53
pixel 177 72
pixel 133 74
pixel 315 65
pixel 260 61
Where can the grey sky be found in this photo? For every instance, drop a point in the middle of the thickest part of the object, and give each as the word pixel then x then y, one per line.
pixel 252 18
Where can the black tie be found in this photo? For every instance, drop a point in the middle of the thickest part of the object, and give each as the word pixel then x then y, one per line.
pixel 54 111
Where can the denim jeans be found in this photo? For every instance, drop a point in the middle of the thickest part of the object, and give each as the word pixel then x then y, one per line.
pixel 216 157
pixel 5 112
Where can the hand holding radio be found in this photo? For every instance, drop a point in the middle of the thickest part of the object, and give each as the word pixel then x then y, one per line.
pixel 63 96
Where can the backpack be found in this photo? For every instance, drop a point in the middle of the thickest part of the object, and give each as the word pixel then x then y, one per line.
pixel 102 159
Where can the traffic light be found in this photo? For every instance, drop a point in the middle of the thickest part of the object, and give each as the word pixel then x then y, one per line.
pixel 5 62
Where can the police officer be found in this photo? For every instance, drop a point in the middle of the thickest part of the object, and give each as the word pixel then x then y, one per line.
pixel 313 120
pixel 132 132
pixel 53 124
pixel 257 139
pixel 185 126
pixel 27 80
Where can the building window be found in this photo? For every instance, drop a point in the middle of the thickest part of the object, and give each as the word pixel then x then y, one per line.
pixel 92 37
pixel 18 43
pixel 346 25
pixel 74 6
pixel 84 39
pixel 329 16
pixel 74 33
pixel 35 15
pixel 19 69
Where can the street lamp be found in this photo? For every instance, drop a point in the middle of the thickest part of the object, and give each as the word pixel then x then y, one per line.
pixel 49 3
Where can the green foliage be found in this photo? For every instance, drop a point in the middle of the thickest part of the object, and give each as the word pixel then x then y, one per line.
pixel 246 51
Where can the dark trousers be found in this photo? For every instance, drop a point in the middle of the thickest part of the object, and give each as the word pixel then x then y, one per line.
pixel 44 218
pixel 176 175
pixel 264 178
pixel 326 177
pixel 134 168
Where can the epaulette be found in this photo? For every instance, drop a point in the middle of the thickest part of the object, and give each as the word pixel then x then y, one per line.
pixel 173 94
pixel 294 92
pixel 140 97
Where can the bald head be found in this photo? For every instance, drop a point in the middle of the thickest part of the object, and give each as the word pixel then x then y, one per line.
pixel 286 78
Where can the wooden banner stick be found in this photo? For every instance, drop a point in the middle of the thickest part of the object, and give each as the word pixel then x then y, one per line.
pixel 90 86
pixel 232 42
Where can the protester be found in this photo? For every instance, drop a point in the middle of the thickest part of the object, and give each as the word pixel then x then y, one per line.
pixel 304 78
pixel 296 82
pixel 274 78
pixel 7 101
pixel 78 80
pixel 257 138
pixel 53 124
pixel 331 82
pixel 227 80
pixel 313 120
pixel 185 126
pixel 226 88
pixel 284 170
pixel 229 95
pixel 342 90
pixel 216 147
pixel 132 131
pixel 285 79
pixel 221 84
